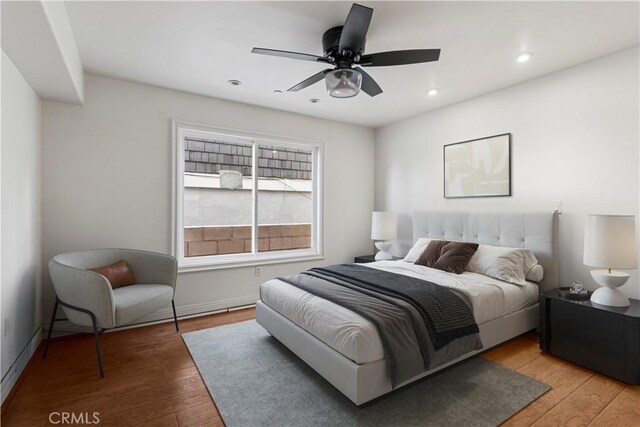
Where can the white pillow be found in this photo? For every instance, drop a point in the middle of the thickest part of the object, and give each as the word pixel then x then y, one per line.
pixel 418 247
pixel 535 274
pixel 513 265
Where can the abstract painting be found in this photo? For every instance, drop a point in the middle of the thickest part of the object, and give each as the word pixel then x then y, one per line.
pixel 478 168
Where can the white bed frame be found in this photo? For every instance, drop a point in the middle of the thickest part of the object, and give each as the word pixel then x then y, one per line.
pixel 363 383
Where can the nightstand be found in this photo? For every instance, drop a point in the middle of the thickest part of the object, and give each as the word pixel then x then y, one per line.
pixel 602 338
pixel 363 259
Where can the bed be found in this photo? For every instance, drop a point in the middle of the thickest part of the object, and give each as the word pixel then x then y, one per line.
pixel 346 349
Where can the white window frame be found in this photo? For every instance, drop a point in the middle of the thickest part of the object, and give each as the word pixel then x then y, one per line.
pixel 183 130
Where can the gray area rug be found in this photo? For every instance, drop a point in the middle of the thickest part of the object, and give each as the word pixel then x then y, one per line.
pixel 256 381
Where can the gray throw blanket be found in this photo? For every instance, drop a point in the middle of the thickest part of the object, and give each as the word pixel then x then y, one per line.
pixel 446 315
pixel 420 324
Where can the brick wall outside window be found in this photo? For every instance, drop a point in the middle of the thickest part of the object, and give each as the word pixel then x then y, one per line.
pixel 219 240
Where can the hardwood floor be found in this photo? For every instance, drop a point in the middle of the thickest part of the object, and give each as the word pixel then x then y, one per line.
pixel 151 380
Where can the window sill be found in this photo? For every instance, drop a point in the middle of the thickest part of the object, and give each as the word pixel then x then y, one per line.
pixel 238 262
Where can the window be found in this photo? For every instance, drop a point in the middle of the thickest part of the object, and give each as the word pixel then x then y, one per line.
pixel 243 198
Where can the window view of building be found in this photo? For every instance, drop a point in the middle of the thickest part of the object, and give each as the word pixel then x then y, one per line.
pixel 218 198
pixel 285 200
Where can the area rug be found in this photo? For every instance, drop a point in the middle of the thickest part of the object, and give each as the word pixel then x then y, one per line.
pixel 256 381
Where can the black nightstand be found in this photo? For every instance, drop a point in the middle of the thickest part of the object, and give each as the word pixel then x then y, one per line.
pixel 363 259
pixel 602 338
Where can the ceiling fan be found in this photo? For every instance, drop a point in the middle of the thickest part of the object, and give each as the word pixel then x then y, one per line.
pixel 344 48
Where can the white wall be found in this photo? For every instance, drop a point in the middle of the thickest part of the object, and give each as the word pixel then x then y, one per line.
pixel 20 230
pixel 96 192
pixel 215 206
pixel 575 138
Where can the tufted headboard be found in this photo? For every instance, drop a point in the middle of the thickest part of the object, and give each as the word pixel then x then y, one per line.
pixel 537 231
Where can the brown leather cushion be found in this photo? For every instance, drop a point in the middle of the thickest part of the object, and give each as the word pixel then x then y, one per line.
pixel 447 256
pixel 118 274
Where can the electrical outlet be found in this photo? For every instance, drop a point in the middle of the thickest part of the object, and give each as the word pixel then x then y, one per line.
pixel 557 206
pixel 258 271
pixel 5 327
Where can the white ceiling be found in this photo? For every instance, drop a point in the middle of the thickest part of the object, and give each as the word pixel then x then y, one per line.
pixel 198 46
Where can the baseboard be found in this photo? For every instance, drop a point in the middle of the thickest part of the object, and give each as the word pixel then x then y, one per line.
pixel 166 314
pixel 13 375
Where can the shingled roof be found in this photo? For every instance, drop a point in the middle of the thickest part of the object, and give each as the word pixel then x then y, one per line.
pixel 210 157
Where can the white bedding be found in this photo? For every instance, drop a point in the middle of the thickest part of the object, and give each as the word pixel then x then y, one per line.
pixel 357 339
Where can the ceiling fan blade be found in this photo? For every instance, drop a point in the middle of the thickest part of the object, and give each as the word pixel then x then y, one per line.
pixel 310 81
pixel 369 86
pixel 400 57
pixel 291 55
pixel 355 29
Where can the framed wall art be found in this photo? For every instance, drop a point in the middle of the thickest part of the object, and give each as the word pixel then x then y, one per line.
pixel 478 168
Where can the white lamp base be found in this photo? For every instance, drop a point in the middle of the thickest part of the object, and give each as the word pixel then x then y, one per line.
pixel 608 294
pixel 383 251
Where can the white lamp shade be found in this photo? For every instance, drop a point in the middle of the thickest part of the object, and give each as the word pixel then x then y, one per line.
pixel 383 226
pixel 610 241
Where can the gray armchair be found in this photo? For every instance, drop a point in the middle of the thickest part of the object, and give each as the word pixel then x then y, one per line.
pixel 87 298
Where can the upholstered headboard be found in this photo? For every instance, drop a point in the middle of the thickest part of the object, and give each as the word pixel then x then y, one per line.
pixel 537 231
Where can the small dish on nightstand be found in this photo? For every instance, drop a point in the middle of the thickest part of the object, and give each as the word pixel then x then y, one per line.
pixel 565 293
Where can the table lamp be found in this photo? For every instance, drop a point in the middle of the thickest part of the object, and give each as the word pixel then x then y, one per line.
pixel 383 230
pixel 610 242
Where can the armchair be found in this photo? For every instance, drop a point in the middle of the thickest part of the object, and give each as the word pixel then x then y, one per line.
pixel 88 299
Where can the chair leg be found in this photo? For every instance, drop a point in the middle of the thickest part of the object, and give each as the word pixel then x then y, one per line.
pixel 94 322
pixel 96 336
pixel 53 319
pixel 175 317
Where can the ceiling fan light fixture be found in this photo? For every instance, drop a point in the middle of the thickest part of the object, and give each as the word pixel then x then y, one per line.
pixel 344 48
pixel 343 82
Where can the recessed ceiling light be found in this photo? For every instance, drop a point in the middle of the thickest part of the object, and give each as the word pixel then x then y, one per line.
pixel 234 82
pixel 277 91
pixel 433 92
pixel 314 100
pixel 524 57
